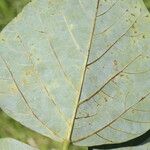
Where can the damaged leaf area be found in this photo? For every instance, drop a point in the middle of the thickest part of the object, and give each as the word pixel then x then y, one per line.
pixel 77 71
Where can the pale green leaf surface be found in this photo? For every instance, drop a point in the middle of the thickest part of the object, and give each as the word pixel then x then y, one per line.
pixel 78 70
pixel 140 147
pixel 11 144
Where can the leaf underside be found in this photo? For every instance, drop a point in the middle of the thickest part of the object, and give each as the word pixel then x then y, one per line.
pixel 11 144
pixel 78 70
pixel 141 147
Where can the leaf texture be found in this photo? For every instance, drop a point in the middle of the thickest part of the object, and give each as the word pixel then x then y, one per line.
pixel 141 147
pixel 78 70
pixel 11 144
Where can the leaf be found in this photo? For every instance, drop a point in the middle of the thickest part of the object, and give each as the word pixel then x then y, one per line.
pixel 147 4
pixel 140 147
pixel 11 144
pixel 131 143
pixel 78 71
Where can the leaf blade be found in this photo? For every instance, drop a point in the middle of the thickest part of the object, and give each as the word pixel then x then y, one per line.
pixel 70 73
pixel 11 144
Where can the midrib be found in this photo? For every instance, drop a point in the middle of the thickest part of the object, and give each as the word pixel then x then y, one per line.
pixel 70 130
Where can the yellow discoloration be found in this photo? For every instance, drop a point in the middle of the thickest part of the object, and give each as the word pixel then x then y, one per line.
pixel 2 37
pixel 24 81
pixel 29 71
pixel 13 88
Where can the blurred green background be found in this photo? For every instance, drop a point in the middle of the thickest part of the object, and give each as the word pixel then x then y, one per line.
pixel 8 127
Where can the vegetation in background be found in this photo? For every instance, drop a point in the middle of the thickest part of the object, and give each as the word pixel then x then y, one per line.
pixel 9 9
pixel 147 3
pixel 8 127
pixel 11 128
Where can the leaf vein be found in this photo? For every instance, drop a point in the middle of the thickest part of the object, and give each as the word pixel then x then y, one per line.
pixel 125 111
pixel 25 100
